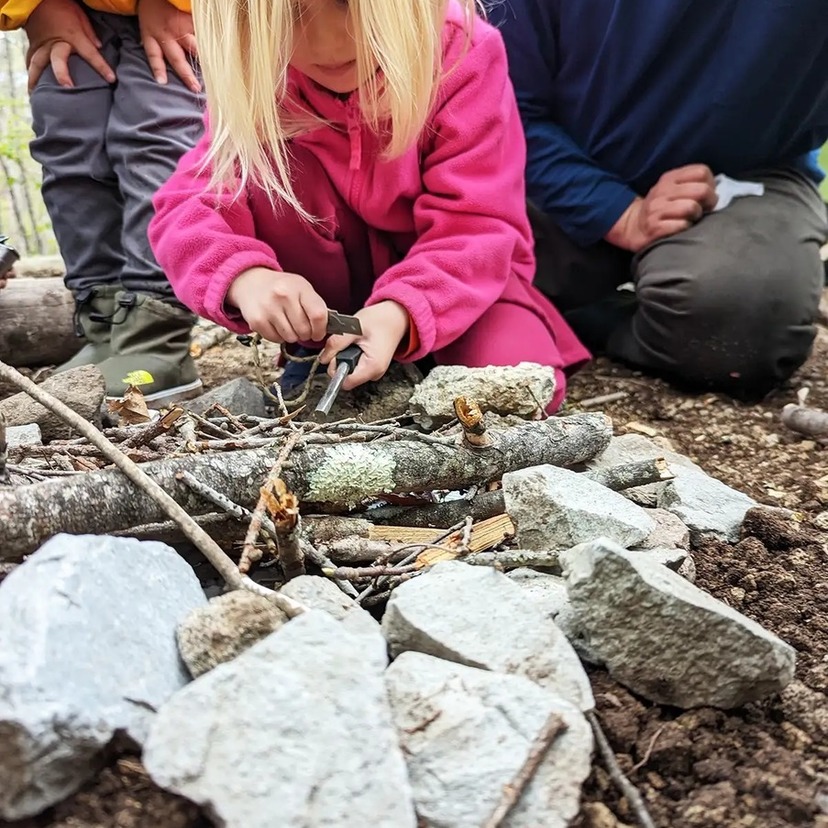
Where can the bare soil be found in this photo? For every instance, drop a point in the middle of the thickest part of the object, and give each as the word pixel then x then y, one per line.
pixel 763 766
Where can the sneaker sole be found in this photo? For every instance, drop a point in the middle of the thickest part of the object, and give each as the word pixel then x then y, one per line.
pixel 170 395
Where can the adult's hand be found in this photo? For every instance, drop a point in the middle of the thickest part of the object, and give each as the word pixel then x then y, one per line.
pixel 679 199
pixel 57 29
pixel 168 37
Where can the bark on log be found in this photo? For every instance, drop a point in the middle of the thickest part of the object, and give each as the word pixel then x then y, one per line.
pixel 347 473
pixel 36 326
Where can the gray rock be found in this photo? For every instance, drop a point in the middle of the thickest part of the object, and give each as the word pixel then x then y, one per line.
pixel 239 396
pixel 321 594
pixel 554 508
pixel 467 733
pixel 706 505
pixel 82 389
pixel 666 639
pixel 673 559
pixel 669 533
pixel 225 627
pixel 549 593
pixel 24 435
pixel 478 617
pixel 88 650
pixel 520 389
pixel 294 732
pixel 629 448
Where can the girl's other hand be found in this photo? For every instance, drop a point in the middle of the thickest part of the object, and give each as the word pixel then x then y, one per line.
pixel 57 29
pixel 167 35
pixel 282 307
pixel 383 327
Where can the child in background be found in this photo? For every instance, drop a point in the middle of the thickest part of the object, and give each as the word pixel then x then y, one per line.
pixel 111 122
pixel 363 156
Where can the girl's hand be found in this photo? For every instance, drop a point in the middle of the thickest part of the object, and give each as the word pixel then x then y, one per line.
pixel 383 327
pixel 167 35
pixel 57 29
pixel 282 307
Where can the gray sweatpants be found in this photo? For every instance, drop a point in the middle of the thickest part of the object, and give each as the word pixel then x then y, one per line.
pixel 728 304
pixel 105 149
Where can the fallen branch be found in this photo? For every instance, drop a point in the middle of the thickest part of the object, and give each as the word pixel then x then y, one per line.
pixel 625 787
pixel 553 728
pixel 604 399
pixel 105 502
pixel 206 338
pixel 152 490
pixel 284 509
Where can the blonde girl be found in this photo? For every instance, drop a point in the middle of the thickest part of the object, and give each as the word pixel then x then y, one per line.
pixel 365 156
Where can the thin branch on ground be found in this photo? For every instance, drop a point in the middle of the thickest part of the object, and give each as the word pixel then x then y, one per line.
pixel 359 573
pixel 512 792
pixel 194 533
pixel 649 752
pixel 625 787
pixel 604 399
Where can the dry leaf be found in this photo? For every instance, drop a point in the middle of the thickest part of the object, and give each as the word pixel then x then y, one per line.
pixel 132 407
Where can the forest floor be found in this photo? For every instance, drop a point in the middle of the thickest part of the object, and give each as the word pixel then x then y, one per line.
pixel 763 766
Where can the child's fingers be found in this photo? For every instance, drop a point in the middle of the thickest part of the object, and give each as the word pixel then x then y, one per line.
pixel 155 58
pixel 188 43
pixel 180 62
pixel 60 63
pixel 89 52
pixel 316 312
pixel 333 346
pixel 38 61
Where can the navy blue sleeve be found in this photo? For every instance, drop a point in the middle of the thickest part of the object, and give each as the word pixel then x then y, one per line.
pixel 561 179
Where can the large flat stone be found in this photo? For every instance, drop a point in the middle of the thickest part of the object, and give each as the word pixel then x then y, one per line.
pixel 554 508
pixel 466 734
pixel 88 650
pixel 478 617
pixel 666 639
pixel 322 594
pixel 706 505
pixel 238 396
pixel 294 732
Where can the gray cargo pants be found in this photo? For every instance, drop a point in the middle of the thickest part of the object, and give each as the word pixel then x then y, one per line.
pixel 729 304
pixel 105 149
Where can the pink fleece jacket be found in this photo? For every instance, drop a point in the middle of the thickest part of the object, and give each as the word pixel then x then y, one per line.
pixel 453 206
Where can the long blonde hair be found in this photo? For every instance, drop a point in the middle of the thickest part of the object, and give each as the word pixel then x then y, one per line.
pixel 245 48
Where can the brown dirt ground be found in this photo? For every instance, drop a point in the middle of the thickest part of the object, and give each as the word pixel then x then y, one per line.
pixel 763 766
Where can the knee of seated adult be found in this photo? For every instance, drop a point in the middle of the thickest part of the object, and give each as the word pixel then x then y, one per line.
pixel 723 340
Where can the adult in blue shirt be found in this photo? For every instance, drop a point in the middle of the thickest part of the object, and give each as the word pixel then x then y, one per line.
pixel 631 109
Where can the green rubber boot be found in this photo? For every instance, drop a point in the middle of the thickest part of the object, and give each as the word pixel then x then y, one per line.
pixel 153 336
pixel 94 308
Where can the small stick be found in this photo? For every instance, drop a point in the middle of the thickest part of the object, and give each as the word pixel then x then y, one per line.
pixel 604 399
pixel 357 573
pixel 231 418
pixel 250 554
pixel 283 505
pixel 649 752
pixel 629 475
pixel 4 453
pixel 211 429
pixel 463 548
pixel 513 559
pixel 471 419
pixel 149 432
pixel 208 338
pixel 627 789
pixel 194 533
pixel 512 792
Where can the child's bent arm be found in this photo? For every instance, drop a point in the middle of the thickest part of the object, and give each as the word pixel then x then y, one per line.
pixel 203 240
pixel 471 222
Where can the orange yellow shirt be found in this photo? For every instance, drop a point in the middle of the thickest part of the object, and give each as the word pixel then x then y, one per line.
pixel 15 13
